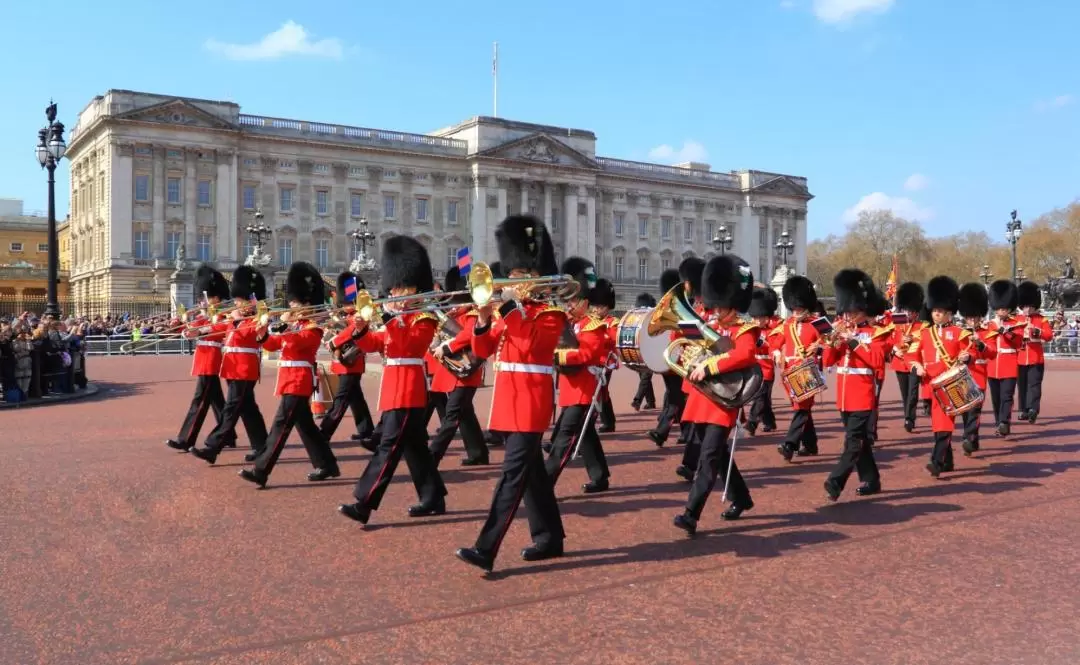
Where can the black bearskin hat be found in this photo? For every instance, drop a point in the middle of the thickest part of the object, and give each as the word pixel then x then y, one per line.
pixel 910 297
pixel 763 303
pixel 1003 294
pixel 855 292
pixel 645 300
pixel 525 244
pixel 799 293
pixel 669 279
pixel 583 271
pixel 405 264
pixel 453 280
pixel 942 292
pixel 690 270
pixel 496 270
pixel 248 282
pixel 819 309
pixel 1028 294
pixel 727 283
pixel 305 285
pixel 339 293
pixel 924 314
pixel 210 282
pixel 603 294
pixel 973 302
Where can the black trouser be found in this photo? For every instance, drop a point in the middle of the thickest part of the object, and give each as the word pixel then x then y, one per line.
pixel 645 392
pixel 971 425
pixel 1029 387
pixel 295 411
pixel 674 402
pixel 571 422
pixel 909 393
pixel 523 476
pixel 436 402
pixel 872 427
pixel 208 395
pixel 857 453
pixel 460 413
pixel 802 431
pixel 695 437
pixel 761 410
pixel 942 454
pixel 713 465
pixel 240 404
pixel 349 395
pixel 1001 398
pixel 404 434
pixel 607 411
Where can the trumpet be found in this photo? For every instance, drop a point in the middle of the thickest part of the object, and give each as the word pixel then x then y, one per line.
pixel 483 287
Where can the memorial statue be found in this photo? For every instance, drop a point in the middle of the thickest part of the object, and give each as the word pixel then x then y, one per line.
pixel 1069 272
pixel 181 253
pixel 1063 291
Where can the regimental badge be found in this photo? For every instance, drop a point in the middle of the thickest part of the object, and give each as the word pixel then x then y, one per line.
pixel 864 338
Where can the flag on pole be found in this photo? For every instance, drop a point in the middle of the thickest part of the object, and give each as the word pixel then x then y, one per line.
pixel 464 261
pixel 495 59
pixel 350 289
pixel 890 283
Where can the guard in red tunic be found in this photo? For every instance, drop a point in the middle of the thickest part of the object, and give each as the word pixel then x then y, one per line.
pixel 602 308
pixel 942 346
pixel 348 362
pixel 674 397
pixel 241 365
pixel 523 342
pixel 973 306
pixel 727 286
pixel 579 372
pixel 690 271
pixel 1004 367
pixel 857 353
pixel 298 339
pixel 905 340
pixel 763 310
pixel 206 365
pixel 645 395
pixel 1031 361
pixel 406 270
pixel 459 412
pixel 800 298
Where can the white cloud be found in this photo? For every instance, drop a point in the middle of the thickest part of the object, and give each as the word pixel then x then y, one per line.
pixel 1061 101
pixel 691 151
pixel 842 11
pixel 290 39
pixel 900 206
pixel 916 182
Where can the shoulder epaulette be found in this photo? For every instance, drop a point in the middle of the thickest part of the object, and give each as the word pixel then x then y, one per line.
pixel 778 330
pixel 747 327
pixel 883 330
pixel 552 309
pixel 965 333
pixel 422 316
pixel 593 323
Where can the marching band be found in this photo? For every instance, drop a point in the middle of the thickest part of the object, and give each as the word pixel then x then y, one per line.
pixel 546 336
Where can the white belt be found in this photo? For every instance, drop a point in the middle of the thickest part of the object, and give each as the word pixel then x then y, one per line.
pixel 765 357
pixel 395 362
pixel 981 362
pixel 866 371
pixel 240 349
pixel 294 363
pixel 216 345
pixel 1033 341
pixel 1003 351
pixel 524 368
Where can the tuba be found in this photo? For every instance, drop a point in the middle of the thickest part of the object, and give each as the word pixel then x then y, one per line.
pixel 462 364
pixel 730 391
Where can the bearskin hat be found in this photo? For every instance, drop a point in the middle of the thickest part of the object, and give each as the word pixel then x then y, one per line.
pixel 339 292
pixel 525 244
pixel 819 309
pixel 855 292
pixel 1003 294
pixel 763 303
pixel 582 271
pixel 799 293
pixel 910 297
pixel 305 285
pixel 669 279
pixel 405 264
pixel 496 270
pixel 1028 294
pixel 212 283
pixel 690 270
pixel 602 294
pixel 645 300
pixel 924 314
pixel 453 280
pixel 727 282
pixel 942 292
pixel 973 301
pixel 247 283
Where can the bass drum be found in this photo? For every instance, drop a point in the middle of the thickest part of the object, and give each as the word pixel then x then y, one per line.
pixel 636 348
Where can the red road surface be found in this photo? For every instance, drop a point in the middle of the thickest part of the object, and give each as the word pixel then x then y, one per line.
pixel 115 549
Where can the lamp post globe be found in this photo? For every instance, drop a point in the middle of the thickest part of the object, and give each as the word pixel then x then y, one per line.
pixel 784 246
pixel 1014 228
pixel 50 149
pixel 723 240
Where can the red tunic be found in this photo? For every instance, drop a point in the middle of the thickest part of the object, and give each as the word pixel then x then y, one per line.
pixel 577 388
pixel 296 365
pixel 767 341
pixel 982 358
pixel 403 342
pixel 741 355
pixel 1006 344
pixel 939 350
pixel 241 358
pixel 901 360
pixel 796 337
pixel 341 340
pixel 1037 332
pixel 697 404
pixel 523 343
pixel 857 367
pixel 443 381
pixel 207 360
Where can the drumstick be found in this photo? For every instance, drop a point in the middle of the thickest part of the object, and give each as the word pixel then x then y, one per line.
pixel 731 460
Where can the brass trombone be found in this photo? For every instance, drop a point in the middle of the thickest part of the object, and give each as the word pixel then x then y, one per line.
pixel 483 287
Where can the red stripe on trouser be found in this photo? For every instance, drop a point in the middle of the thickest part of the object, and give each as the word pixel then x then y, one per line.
pixel 285 430
pixel 200 413
pixel 513 511
pixel 386 463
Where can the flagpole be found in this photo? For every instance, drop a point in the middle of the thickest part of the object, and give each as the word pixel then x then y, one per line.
pixel 495 80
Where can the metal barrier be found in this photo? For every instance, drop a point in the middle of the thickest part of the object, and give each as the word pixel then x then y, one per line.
pixel 1065 343
pixel 110 345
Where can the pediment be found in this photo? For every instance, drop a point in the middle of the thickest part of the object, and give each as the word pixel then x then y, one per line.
pixel 177 112
pixel 782 186
pixel 540 148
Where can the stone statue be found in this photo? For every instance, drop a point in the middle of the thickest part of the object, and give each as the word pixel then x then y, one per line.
pixel 181 254
pixel 1068 272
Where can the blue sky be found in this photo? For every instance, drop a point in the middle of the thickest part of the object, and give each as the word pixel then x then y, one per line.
pixel 952 112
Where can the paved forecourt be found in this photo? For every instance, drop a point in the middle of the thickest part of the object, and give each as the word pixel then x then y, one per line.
pixel 116 549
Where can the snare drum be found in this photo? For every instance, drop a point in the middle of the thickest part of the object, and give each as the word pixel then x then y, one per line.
pixel 804 379
pixel 636 348
pixel 326 387
pixel 956 391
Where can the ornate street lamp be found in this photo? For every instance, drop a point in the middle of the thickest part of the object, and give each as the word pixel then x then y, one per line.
pixel 259 233
pixel 1019 274
pixel 1013 231
pixel 784 246
pixel 362 237
pixel 986 275
pixel 723 240
pixel 50 150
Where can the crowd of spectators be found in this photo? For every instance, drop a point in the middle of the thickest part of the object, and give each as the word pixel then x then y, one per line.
pixel 41 356
pixel 1066 334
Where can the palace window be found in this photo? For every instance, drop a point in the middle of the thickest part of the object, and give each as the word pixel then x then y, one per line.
pixel 643 268
pixel 389 206
pixel 619 268
pixel 643 226
pixel 322 252
pixel 204 192
pixel 688 230
pixel 285 246
pixel 618 220
pixel 142 244
pixel 286 199
pixel 709 234
pixel 356 205
pixel 665 263
pixel 554 219
pixel 172 243
pixel 249 245
pixel 249 197
pixel 42 247
pixel 451 212
pixel 322 202
pixel 451 255
pixel 421 209
pixel 665 228
pixel 142 188
pixel 16 247
pixel 202 247
pixel 173 191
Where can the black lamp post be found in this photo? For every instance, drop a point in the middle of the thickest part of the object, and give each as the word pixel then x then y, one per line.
pixel 986 275
pixel 362 237
pixel 259 233
pixel 1013 231
pixel 1019 274
pixel 784 246
pixel 50 150
pixel 723 240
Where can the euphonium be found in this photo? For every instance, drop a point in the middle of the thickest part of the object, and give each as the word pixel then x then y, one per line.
pixel 462 364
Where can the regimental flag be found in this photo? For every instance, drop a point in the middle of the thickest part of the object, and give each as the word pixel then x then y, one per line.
pixel 690 330
pixel 822 325
pixel 350 289
pixel 464 261
pixel 890 283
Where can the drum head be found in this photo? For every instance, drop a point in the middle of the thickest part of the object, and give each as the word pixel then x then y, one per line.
pixel 654 350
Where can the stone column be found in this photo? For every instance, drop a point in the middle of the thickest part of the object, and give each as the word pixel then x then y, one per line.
pixel 225 207
pixel 587 238
pixel 503 184
pixel 304 212
pixel 120 201
pixel 191 200
pixel 770 242
pixel 478 231
pixel 524 197
pixel 547 203
pixel 570 221
pixel 799 238
pixel 158 179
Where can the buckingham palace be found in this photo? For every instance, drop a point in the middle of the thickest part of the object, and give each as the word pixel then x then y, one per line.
pixel 153 174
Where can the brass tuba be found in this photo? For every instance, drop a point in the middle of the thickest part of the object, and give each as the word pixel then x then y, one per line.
pixel 462 364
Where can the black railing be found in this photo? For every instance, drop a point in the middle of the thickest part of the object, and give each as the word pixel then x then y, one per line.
pixel 144 306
